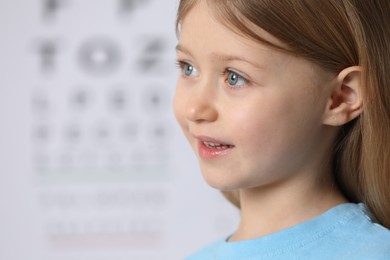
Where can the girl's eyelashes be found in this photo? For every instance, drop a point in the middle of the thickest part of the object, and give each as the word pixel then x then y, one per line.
pixel 187 69
pixel 235 80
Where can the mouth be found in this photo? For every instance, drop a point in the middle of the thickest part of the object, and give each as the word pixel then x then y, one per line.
pixel 218 146
pixel 210 148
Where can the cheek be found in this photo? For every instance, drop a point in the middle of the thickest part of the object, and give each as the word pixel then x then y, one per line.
pixel 250 126
pixel 178 106
pixel 259 132
pixel 272 123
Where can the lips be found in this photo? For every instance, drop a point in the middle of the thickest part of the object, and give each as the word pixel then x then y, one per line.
pixel 218 146
pixel 210 148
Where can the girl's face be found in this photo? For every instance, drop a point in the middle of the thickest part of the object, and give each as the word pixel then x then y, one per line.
pixel 253 115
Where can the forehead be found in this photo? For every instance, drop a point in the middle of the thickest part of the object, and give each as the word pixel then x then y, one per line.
pixel 200 28
pixel 205 37
pixel 203 13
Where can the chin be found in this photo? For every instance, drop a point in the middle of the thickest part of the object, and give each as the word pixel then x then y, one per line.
pixel 221 182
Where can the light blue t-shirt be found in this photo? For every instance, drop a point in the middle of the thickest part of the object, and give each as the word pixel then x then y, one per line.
pixel 343 232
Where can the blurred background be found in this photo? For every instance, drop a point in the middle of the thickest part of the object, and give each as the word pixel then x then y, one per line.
pixel 92 163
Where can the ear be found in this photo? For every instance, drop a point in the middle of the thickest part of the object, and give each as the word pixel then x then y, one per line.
pixel 345 102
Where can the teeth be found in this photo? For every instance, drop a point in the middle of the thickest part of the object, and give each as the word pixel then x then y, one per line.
pixel 216 146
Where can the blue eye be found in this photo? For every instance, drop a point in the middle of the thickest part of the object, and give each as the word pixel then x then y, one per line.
pixel 187 69
pixel 236 80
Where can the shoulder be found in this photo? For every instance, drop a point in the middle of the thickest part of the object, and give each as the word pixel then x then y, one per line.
pixel 377 251
pixel 360 237
pixel 362 226
pixel 344 232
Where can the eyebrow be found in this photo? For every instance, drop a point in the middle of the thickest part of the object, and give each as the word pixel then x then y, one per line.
pixel 221 57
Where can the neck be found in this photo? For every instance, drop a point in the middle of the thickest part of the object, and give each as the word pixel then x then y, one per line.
pixel 270 209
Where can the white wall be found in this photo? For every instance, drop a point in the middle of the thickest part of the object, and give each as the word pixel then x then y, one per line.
pixel 92 163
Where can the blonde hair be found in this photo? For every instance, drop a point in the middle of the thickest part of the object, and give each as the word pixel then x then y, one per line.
pixel 334 34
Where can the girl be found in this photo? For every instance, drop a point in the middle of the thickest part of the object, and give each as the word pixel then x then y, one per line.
pixel 286 103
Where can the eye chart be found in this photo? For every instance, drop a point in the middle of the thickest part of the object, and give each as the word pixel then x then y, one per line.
pixel 94 165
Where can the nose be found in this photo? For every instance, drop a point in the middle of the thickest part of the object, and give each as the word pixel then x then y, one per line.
pixel 201 105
